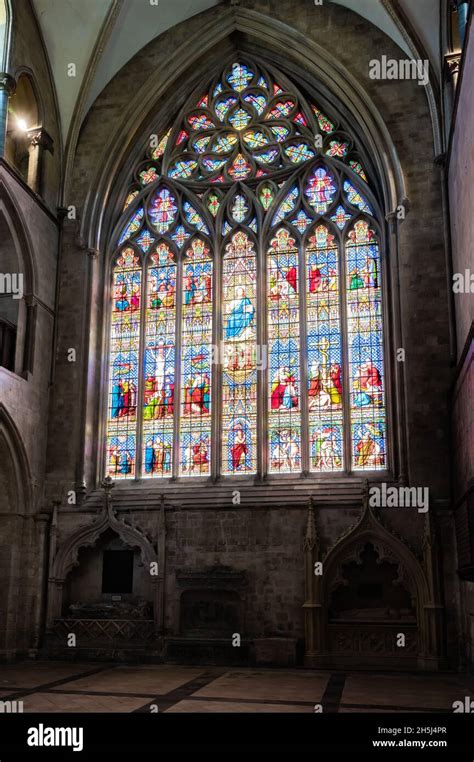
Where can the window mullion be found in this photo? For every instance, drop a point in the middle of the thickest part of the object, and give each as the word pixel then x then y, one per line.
pixel 216 367
pixel 141 366
pixel 345 355
pixel 262 370
pixel 178 369
pixel 304 438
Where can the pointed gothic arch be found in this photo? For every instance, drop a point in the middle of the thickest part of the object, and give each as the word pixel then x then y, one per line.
pixel 375 640
pixel 199 183
pixel 17 309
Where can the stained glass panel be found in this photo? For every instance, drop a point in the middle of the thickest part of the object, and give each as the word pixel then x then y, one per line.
pixel 320 189
pixel 239 370
pixel 324 346
pixel 159 364
pixel 123 366
pixel 356 198
pixel 162 210
pixel 196 353
pixel 365 345
pixel 246 128
pixel 284 419
pixel 133 225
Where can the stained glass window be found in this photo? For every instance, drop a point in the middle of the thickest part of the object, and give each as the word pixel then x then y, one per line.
pixel 246 319
pixel 159 363
pixel 123 366
pixel 284 436
pixel 196 363
pixel 324 352
pixel 239 369
pixel 365 345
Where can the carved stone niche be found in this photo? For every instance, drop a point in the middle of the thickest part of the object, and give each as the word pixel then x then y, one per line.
pixel 369 607
pixel 211 602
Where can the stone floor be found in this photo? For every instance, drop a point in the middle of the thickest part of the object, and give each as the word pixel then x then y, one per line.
pixel 79 687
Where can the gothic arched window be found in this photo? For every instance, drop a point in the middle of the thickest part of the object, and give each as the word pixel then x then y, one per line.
pixel 246 329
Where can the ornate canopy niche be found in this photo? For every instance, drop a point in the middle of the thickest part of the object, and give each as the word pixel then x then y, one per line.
pixel 66 556
pixel 372 590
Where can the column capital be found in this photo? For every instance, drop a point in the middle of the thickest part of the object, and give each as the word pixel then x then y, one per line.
pixel 452 62
pixel 7 82
pixel 38 136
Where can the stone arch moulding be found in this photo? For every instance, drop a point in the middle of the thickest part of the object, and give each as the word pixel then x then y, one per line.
pixel 314 65
pixel 67 556
pixel 10 434
pixel 319 72
pixel 20 234
pixel 25 71
pixel 414 574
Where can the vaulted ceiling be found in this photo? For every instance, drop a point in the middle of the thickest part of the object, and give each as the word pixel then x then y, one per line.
pixel 100 36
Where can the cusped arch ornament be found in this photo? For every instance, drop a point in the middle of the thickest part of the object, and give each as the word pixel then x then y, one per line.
pixel 67 556
pixel 417 576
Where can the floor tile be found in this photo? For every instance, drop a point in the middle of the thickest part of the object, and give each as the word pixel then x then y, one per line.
pixel 235 707
pixel 410 691
pixel 147 679
pixel 54 702
pixel 284 685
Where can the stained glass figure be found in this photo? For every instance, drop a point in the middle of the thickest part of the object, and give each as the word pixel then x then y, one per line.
pixel 320 189
pixel 162 210
pixel 159 364
pixel 123 366
pixel 324 347
pixel 239 370
pixel 196 353
pixel 365 346
pixel 284 418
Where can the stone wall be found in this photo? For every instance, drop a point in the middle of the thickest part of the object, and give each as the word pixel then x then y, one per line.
pixel 461 179
pixel 263 538
pixel 24 394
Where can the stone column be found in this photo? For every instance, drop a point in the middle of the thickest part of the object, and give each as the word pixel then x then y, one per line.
pixel 312 605
pixel 39 140
pixel 7 88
